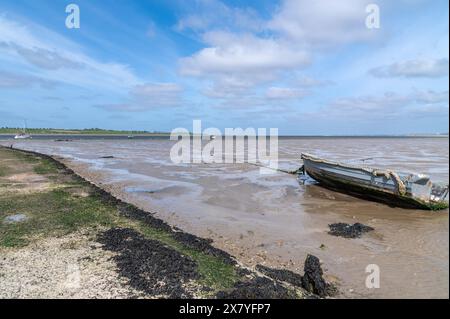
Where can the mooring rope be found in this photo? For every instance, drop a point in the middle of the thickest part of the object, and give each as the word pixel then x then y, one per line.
pixel 293 172
pixel 401 188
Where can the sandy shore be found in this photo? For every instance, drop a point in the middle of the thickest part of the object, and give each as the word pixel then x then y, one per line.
pixel 82 242
pixel 73 266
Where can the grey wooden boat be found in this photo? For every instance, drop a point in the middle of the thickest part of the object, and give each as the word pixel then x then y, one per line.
pixel 399 189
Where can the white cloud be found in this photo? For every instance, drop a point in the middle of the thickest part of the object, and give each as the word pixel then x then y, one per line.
pixel 234 64
pixel 309 82
pixel 158 94
pixel 148 96
pixel 41 57
pixel 370 103
pixel 13 80
pixel 207 14
pixel 431 68
pixel 322 22
pixel 230 53
pixel 55 59
pixel 262 51
pixel 227 87
pixel 53 55
pixel 285 93
pixel 431 97
pixel 388 105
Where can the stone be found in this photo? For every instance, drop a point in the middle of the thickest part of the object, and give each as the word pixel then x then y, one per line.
pixel 16 218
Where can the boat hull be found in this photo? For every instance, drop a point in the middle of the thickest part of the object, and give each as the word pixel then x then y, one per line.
pixel 362 183
pixel 367 193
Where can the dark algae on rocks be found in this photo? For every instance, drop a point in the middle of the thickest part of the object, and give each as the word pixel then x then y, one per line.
pixel 282 284
pixel 281 275
pixel 149 265
pixel 349 231
pixel 313 280
pixel 258 288
pixel 203 245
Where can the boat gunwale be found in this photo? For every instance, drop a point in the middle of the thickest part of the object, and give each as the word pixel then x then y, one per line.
pixel 367 169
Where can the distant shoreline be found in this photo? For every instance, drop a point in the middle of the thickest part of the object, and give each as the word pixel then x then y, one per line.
pixel 51 132
pixel 80 132
pixel 167 135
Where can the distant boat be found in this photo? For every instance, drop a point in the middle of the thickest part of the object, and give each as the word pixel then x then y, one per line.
pixel 212 137
pixel 399 189
pixel 130 135
pixel 23 135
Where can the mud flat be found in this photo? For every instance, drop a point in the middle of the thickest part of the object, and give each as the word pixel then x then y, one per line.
pixel 63 237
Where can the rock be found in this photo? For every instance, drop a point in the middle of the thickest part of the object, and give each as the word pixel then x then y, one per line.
pixel 312 280
pixel 348 231
pixel 16 218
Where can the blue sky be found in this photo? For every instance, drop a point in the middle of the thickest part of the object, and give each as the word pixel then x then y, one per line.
pixel 305 67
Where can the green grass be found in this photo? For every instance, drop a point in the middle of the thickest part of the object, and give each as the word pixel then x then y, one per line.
pixel 214 272
pixel 51 213
pixel 42 166
pixel 20 156
pixel 46 166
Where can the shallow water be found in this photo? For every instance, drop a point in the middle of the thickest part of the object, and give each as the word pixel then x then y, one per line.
pixel 274 220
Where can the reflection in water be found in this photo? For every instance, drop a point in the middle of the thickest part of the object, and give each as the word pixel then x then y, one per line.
pixel 274 219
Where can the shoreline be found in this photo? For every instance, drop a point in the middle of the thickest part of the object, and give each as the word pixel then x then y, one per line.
pixel 167 135
pixel 247 281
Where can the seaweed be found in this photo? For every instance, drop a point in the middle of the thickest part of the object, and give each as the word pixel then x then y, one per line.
pixel 203 245
pixel 281 275
pixel 257 288
pixel 349 231
pixel 149 265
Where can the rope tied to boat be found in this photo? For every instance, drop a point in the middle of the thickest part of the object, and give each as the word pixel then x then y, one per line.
pixel 401 188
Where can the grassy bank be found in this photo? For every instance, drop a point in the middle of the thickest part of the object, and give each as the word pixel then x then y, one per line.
pixel 154 259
